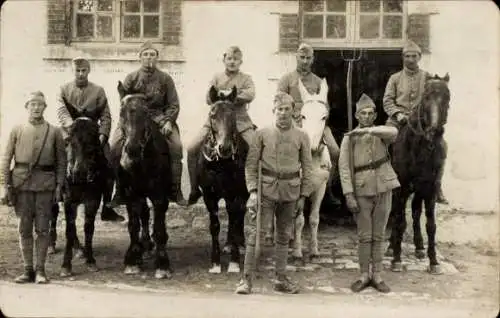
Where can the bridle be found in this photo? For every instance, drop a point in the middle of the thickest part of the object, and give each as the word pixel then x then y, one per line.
pixel 215 154
pixel 147 130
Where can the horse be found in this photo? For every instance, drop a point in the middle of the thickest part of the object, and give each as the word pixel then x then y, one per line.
pixel 145 173
pixel 223 156
pixel 313 121
pixel 417 156
pixel 85 182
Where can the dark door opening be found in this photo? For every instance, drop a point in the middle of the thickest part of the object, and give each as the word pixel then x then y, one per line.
pixel 370 75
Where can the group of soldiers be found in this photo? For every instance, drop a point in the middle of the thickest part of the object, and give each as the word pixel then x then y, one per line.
pixel 40 158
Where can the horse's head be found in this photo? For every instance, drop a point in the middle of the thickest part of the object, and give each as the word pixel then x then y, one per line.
pixel 136 126
pixel 84 149
pixel 314 113
pixel 431 115
pixel 223 131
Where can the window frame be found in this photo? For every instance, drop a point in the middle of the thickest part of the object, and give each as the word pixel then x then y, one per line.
pixel 117 15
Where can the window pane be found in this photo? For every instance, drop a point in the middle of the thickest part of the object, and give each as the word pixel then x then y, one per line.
pixel 393 6
pixel 131 26
pixel 335 5
pixel 313 26
pixel 370 5
pixel 84 25
pixel 369 28
pixel 104 27
pixel 335 26
pixel 151 26
pixel 151 5
pixel 105 5
pixel 393 27
pixel 132 6
pixel 313 5
pixel 86 5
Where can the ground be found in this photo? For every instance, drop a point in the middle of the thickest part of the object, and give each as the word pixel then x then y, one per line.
pixel 467 247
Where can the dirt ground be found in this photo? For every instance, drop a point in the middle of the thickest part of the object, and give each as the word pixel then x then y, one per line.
pixel 469 241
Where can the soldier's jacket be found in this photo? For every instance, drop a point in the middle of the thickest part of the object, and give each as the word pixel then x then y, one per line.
pixel 289 83
pixel 281 151
pixel 367 149
pixel 91 100
pixel 159 88
pixel 404 91
pixel 23 145
pixel 246 94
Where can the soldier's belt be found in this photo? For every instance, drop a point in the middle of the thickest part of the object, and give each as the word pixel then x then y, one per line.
pixel 371 166
pixel 47 168
pixel 281 175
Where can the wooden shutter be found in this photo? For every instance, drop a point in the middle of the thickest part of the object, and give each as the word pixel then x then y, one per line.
pixel 419 30
pixel 172 22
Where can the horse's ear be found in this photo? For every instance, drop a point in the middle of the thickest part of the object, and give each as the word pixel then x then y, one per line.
pixel 323 93
pixel 121 90
pixel 303 91
pixel 446 78
pixel 213 95
pixel 234 94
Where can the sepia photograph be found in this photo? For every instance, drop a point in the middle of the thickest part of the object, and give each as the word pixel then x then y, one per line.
pixel 242 158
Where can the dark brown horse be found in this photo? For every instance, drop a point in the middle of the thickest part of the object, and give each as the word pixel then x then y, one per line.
pixel 145 173
pixel 418 155
pixel 223 158
pixel 86 181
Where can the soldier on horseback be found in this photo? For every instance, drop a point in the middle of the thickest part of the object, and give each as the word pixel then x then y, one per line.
pixel 159 89
pixel 404 92
pixel 90 100
pixel 232 76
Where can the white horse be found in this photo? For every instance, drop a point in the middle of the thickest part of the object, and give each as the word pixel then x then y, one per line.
pixel 314 113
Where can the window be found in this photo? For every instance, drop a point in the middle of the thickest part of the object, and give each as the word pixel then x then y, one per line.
pixel 358 23
pixel 117 20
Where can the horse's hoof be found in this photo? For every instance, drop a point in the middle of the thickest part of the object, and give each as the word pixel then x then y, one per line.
pixel 92 268
pixel 132 270
pixel 227 249
pixel 397 266
pixel 216 269
pixel 51 250
pixel 420 254
pixel 435 269
pixel 233 267
pixel 65 272
pixel 389 252
pixel 162 273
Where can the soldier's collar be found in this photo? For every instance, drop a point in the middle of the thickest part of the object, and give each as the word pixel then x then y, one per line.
pixel 231 73
pixel 81 84
pixel 411 72
pixel 302 72
pixel 36 121
pixel 148 70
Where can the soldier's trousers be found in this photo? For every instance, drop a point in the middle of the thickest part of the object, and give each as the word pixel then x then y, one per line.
pixel 284 213
pixel 371 223
pixel 34 208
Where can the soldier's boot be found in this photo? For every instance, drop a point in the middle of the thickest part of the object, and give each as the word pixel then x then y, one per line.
pixel 176 193
pixel 193 178
pixel 118 198
pixel 283 284
pixel 440 198
pixel 27 277
pixel 244 286
pixel 41 277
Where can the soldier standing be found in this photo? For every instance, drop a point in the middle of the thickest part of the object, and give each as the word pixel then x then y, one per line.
pixel 367 186
pixel 159 89
pixel 90 100
pixel 232 76
pixel 34 184
pixel 404 92
pixel 284 151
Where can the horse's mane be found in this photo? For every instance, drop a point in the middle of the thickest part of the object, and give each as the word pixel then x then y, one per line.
pixel 86 132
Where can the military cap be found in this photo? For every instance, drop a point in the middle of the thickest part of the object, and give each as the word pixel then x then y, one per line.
pixel 411 46
pixel 35 96
pixel 305 48
pixel 148 45
pixel 282 98
pixel 233 50
pixel 364 102
pixel 81 62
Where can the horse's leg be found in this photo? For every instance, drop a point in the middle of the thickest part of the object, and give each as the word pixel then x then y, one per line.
pixel 234 211
pixel 70 215
pixel 430 226
pixel 391 223
pixel 416 212
pixel 296 234
pixel 213 208
pixel 146 241
pixel 316 198
pixel 108 213
pixel 160 236
pixel 91 207
pixel 230 228
pixel 240 225
pixel 53 228
pixel 78 248
pixel 133 255
pixel 399 228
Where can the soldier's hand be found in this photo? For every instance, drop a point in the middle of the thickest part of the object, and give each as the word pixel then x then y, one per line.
pixel 103 139
pixel 166 130
pixel 401 118
pixel 351 203
pixel 299 207
pixel 8 197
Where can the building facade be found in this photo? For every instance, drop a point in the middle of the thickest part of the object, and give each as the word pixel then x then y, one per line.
pixel 39 39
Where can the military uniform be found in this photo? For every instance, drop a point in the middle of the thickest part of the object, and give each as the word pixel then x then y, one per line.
pixel 34 192
pixel 159 89
pixel 403 93
pixel 371 180
pixel 286 175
